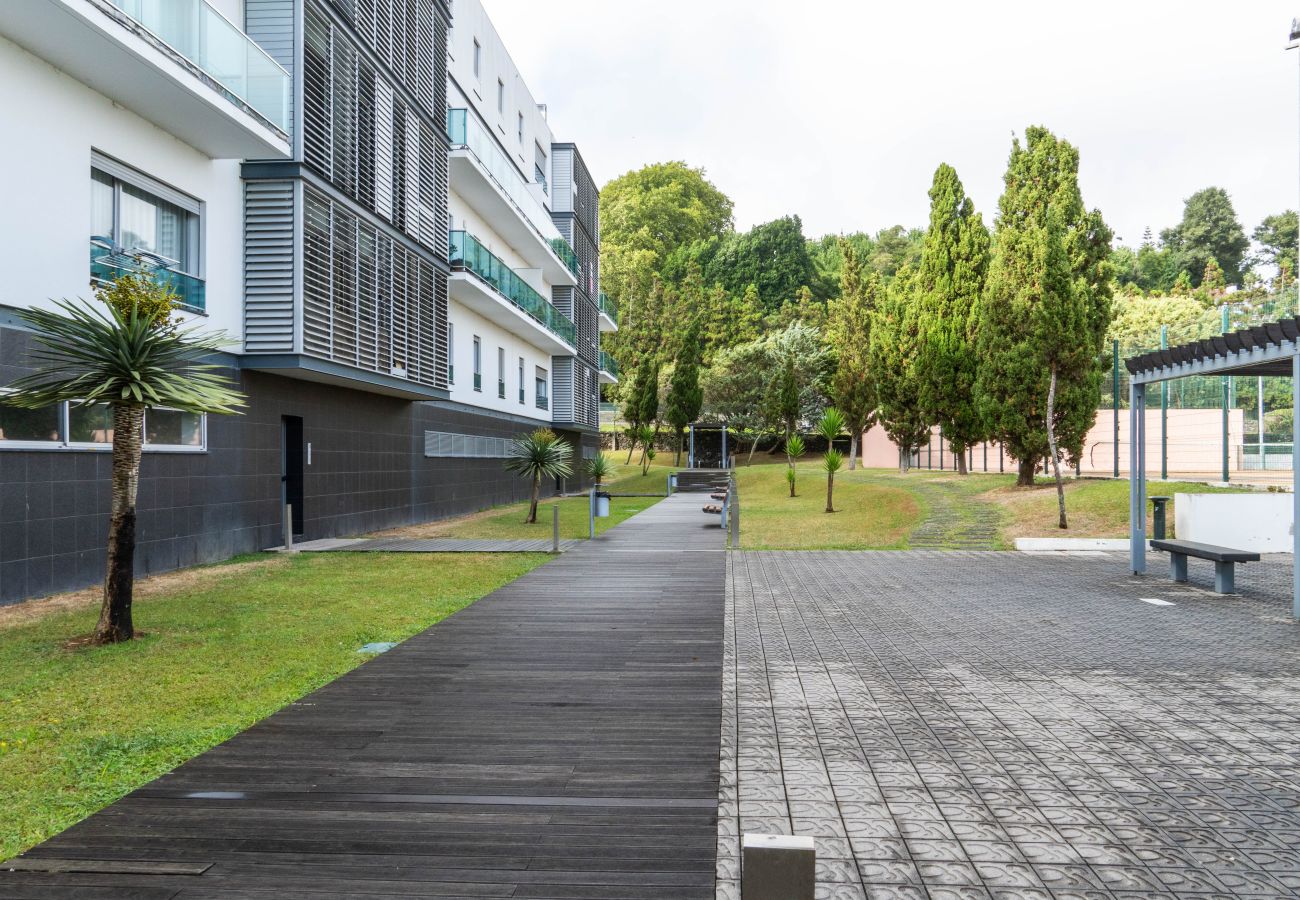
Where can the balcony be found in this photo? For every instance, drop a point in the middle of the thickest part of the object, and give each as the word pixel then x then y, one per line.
pixel 179 64
pixel 485 177
pixel 608 313
pixel 107 263
pixel 608 369
pixel 481 281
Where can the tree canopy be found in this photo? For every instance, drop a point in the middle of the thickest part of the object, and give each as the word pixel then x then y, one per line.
pixel 1209 231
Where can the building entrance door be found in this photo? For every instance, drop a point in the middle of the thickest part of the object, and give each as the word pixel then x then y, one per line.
pixel 291 468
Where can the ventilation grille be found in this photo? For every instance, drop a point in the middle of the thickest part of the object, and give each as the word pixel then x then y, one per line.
pixel 465 446
pixel 368 301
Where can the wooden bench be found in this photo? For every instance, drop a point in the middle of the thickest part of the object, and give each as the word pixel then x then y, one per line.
pixel 1224 558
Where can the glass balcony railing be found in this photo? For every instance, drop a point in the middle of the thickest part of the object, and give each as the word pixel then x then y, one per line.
pixel 106 264
pixel 466 252
pixel 608 307
pixel 608 364
pixel 205 37
pixel 463 130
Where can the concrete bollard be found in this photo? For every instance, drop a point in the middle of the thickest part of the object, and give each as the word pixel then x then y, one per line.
pixel 777 867
pixel 288 528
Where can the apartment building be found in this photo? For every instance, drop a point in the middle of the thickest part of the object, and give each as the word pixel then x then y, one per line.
pixel 297 171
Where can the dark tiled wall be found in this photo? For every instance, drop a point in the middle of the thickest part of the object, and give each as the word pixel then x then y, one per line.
pixel 368 471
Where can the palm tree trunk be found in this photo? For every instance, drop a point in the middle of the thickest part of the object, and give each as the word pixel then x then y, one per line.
pixel 119 581
pixel 830 492
pixel 532 506
pixel 853 450
pixel 1051 443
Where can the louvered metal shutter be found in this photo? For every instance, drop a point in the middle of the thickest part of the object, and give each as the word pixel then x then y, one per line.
pixel 268 267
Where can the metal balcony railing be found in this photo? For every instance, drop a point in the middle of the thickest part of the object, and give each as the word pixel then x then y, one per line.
pixel 463 130
pixel 107 262
pixel 195 30
pixel 466 252
pixel 608 307
pixel 608 364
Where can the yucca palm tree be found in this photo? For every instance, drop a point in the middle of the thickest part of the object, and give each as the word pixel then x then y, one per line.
pixel 645 435
pixel 599 468
pixel 127 352
pixel 794 448
pixel 540 454
pixel 829 427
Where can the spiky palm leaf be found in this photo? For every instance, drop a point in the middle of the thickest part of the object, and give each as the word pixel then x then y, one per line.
pixel 536 456
pixel 599 468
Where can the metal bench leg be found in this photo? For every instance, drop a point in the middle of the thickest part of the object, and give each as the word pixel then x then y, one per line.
pixel 1178 566
pixel 1223 578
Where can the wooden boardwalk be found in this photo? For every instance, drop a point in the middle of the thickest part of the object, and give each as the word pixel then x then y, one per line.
pixel 557 739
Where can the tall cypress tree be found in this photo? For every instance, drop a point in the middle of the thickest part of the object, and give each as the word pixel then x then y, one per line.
pixel 685 397
pixel 954 261
pixel 848 327
pixel 1045 309
pixel 894 341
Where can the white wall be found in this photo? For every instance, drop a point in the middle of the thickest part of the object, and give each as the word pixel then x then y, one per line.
pixel 465 325
pixel 469 22
pixel 51 124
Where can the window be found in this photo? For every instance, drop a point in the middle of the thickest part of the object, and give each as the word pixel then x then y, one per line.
pixel 501 96
pixel 543 391
pixel 132 212
pixel 478 58
pixel 478 364
pixel 501 372
pixel 451 353
pixel 77 425
pixel 521 379
pixel 521 129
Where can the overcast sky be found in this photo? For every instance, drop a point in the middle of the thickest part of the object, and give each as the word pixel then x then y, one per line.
pixel 840 111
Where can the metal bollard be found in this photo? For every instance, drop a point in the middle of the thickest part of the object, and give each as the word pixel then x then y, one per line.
pixel 591 514
pixel 777 867
pixel 555 527
pixel 288 528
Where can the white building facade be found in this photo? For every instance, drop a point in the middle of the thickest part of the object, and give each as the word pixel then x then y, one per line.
pixel 297 172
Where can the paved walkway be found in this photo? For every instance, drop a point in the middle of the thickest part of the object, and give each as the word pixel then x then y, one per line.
pixel 556 739
pixel 969 724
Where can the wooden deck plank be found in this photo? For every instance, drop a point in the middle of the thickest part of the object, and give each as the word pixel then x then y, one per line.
pixel 558 738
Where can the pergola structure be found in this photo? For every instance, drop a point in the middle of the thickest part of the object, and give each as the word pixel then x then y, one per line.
pixel 1270 349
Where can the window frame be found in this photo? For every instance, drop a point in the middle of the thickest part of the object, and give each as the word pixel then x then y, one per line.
pixel 65 444
pixel 501 373
pixel 523 401
pixel 478 364
pixel 542 388
pixel 478 60
pixel 501 96
pixel 122 174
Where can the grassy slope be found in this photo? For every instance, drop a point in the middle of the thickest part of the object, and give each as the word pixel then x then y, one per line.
pixel 232 644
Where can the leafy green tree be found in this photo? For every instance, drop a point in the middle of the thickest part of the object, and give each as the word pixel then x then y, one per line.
pixel 647 374
pixel 735 391
pixel 848 330
pixel 894 248
pixel 794 449
pixel 1209 231
pixel 1277 236
pixel 784 397
pixel 829 427
pixel 537 455
pixel 685 397
pixel 131 356
pixel 954 261
pixel 895 339
pixel 773 257
pixel 1046 307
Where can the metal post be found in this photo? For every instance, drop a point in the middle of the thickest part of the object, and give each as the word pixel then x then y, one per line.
pixel 1137 504
pixel 724 448
pixel 1259 390
pixel 1225 380
pixel 1114 391
pixel 555 527
pixel 929 449
pixel 591 513
pixel 941 448
pixel 288 528
pixel 1295 486
pixel 1164 412
pixel 690 457
pixel 668 486
pixel 986 456
pixel 1001 459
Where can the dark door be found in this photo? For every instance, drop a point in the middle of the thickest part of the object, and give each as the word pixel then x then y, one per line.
pixel 291 467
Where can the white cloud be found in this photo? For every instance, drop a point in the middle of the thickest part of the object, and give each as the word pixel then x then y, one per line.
pixel 840 111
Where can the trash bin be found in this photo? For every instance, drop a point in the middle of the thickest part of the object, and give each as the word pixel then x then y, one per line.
pixel 602 505
pixel 1158 516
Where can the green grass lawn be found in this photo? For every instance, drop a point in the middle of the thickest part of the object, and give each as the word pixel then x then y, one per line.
pixel 870 514
pixel 507 522
pixel 223 647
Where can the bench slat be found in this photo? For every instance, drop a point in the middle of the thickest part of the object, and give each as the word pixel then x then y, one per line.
pixel 1205 551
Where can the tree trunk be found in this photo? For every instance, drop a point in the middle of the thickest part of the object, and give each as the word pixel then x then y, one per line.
pixel 119 582
pixel 631 448
pixel 830 491
pixel 791 480
pixel 532 506
pixel 1051 443
pixel 678 462
pixel 853 451
pixel 1025 473
pixel 904 460
pixel 961 460
pixel 752 447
